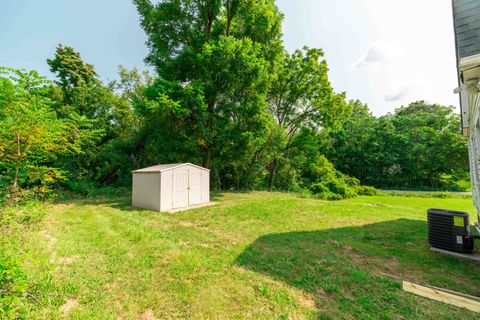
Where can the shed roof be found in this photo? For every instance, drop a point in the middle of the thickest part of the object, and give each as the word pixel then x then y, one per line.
pixel 166 167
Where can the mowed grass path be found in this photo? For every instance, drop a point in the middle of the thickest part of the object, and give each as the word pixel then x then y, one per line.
pixel 253 256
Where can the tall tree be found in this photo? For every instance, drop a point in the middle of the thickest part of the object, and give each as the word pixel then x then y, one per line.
pixel 224 51
pixel 81 95
pixel 415 147
pixel 70 68
pixel 301 96
pixel 432 145
pixel 359 137
pixel 31 135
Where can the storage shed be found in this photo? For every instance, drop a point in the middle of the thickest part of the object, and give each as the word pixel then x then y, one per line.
pixel 170 186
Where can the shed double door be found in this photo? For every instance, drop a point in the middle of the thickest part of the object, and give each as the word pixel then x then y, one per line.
pixel 187 188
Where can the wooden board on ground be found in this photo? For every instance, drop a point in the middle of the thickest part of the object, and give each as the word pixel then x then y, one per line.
pixel 469 256
pixel 446 296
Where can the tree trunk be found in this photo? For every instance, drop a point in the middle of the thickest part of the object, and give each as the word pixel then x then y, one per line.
pixel 15 180
pixel 17 169
pixel 231 6
pixel 206 159
pixel 219 183
pixel 273 173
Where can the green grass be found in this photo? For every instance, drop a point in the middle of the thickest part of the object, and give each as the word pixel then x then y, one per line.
pixel 253 256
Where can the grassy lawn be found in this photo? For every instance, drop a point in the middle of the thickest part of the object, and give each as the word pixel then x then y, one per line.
pixel 253 256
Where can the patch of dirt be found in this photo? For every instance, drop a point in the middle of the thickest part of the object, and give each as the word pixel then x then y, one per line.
pixel 390 264
pixel 110 286
pixel 50 244
pixel 68 306
pixel 321 292
pixel 51 239
pixel 207 245
pixel 160 225
pixel 218 233
pixel 53 254
pixel 306 301
pixel 148 315
pixel 66 260
pixel 376 205
pixel 63 206
pixel 334 242
pixel 187 224
pixel 376 265
pixel 294 316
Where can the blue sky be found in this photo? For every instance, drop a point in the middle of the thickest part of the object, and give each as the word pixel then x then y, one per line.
pixel 385 53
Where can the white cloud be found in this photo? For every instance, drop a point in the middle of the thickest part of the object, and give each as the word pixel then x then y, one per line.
pixel 397 95
pixel 375 53
pixel 378 53
pixel 405 90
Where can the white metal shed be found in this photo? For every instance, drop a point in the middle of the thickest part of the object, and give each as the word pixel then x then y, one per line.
pixel 170 186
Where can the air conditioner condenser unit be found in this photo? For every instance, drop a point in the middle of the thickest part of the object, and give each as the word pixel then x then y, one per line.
pixel 450 230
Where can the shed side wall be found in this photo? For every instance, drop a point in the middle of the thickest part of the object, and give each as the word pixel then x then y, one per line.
pixel 166 188
pixel 205 186
pixel 146 190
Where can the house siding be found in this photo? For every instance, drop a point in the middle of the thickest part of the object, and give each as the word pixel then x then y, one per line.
pixel 467 27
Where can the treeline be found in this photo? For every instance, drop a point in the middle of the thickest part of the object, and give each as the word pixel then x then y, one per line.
pixel 419 146
pixel 225 95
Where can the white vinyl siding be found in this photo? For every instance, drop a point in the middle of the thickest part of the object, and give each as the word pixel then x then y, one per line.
pixel 146 191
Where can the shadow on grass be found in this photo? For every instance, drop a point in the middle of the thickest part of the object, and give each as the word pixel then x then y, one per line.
pixel 339 268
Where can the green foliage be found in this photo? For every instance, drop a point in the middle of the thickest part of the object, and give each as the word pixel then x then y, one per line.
pixel 75 189
pixel 325 182
pixel 367 191
pixel 301 97
pixel 416 147
pixel 178 30
pixel 208 106
pixel 31 135
pixel 226 95
pixel 70 69
pixel 13 288
pixel 102 115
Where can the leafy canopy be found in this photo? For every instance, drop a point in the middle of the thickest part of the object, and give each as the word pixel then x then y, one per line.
pixel 70 68
pixel 223 51
pixel 417 146
pixel 31 135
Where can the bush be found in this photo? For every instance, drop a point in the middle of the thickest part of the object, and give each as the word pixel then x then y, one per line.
pixel 14 222
pixel 13 287
pixel 325 182
pixel 367 191
pixel 81 188
pixel 25 197
pixel 88 189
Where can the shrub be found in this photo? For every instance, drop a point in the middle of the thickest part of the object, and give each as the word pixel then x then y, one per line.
pixel 25 197
pixel 367 191
pixel 79 187
pixel 325 182
pixel 88 188
pixel 14 222
pixel 13 287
